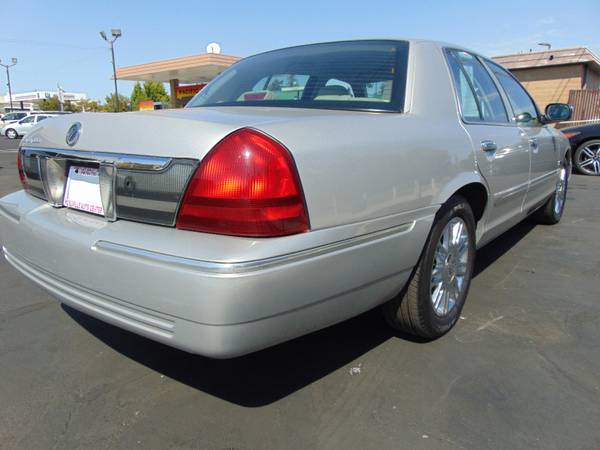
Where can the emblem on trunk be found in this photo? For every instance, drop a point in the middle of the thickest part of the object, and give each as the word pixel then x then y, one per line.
pixel 73 134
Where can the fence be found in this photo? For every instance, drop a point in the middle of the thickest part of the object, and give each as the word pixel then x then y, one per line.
pixel 586 104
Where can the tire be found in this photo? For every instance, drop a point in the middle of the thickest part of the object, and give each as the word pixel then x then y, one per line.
pixel 587 158
pixel 551 212
pixel 414 310
pixel 11 134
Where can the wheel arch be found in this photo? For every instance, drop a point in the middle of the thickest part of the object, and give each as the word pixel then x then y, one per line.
pixel 473 188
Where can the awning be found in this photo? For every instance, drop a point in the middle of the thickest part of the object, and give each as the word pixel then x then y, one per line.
pixel 187 69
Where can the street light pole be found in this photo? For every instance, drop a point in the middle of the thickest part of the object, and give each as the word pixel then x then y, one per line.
pixel 7 66
pixel 116 34
pixel 112 52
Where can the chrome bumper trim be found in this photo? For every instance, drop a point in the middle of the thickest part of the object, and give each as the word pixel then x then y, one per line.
pixel 230 268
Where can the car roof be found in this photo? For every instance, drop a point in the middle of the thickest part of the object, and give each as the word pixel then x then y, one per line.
pixel 411 41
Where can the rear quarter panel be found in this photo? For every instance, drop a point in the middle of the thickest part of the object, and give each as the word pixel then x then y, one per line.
pixel 361 166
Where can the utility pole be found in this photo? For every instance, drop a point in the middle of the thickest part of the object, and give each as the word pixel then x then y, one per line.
pixel 7 66
pixel 116 34
pixel 60 97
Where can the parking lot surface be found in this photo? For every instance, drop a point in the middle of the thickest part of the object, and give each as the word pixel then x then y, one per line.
pixel 520 370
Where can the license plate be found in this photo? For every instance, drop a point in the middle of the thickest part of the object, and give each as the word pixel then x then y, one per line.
pixel 83 190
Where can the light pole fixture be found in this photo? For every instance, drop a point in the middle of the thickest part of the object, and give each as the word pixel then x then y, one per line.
pixel 115 34
pixel 545 44
pixel 7 66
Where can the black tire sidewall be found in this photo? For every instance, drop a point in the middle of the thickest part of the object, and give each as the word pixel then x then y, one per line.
pixel 8 131
pixel 455 207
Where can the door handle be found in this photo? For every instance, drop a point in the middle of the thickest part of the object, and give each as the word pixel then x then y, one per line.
pixel 533 143
pixel 488 145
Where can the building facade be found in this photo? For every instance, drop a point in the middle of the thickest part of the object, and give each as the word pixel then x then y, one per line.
pixel 30 100
pixel 556 75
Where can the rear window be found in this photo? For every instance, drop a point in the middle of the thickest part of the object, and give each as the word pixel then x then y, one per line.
pixel 341 75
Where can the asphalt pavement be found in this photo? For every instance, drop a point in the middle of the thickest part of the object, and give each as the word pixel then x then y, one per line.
pixel 521 370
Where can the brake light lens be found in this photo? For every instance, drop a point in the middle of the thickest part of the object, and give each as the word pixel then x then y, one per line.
pixel 247 185
pixel 20 168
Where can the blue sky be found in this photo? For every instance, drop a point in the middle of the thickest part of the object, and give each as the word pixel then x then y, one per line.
pixel 59 42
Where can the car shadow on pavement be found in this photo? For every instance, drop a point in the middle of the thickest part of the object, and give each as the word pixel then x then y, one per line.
pixel 257 379
pixel 266 376
pixel 487 255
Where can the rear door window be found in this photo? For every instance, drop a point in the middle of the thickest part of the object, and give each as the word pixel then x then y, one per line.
pixel 518 97
pixel 479 98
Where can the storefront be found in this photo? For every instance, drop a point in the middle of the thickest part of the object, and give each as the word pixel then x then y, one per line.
pixel 186 75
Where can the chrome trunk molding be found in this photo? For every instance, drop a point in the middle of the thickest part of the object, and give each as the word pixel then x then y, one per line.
pixel 118 160
pixel 51 166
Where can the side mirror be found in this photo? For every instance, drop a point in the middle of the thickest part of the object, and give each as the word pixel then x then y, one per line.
pixel 524 118
pixel 558 112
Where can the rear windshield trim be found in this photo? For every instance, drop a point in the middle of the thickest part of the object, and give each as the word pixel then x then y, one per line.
pixel 395 105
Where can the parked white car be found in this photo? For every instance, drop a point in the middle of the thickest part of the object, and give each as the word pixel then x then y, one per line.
pixel 14 130
pixel 301 187
pixel 12 117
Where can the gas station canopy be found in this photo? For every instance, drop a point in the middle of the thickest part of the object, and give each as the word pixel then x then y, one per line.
pixel 187 69
pixel 195 69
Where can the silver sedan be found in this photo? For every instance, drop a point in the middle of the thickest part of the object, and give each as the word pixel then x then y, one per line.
pixel 300 188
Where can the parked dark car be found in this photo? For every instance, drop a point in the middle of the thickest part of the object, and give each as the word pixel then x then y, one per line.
pixel 585 145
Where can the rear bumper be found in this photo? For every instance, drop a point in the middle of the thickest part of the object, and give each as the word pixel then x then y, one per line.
pixel 217 296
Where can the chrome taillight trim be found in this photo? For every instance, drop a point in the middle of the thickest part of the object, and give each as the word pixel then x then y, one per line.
pixel 107 174
pixel 51 167
pixel 53 174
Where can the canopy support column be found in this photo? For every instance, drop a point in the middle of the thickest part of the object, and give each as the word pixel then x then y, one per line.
pixel 173 84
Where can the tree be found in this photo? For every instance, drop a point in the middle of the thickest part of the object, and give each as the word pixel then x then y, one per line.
pixel 50 104
pixel 137 94
pixel 155 91
pixel 90 106
pixel 71 106
pixel 111 106
pixel 151 90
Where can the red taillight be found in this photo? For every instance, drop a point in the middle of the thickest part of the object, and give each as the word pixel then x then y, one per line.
pixel 247 185
pixel 20 168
